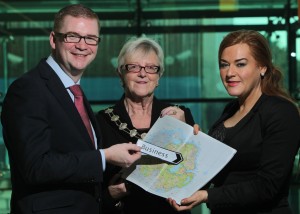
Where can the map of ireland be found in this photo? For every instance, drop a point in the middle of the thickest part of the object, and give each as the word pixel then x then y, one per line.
pixel 203 158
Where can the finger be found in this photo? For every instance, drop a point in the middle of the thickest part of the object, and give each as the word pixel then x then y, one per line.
pixel 134 147
pixel 177 206
pixel 186 202
pixel 164 113
pixel 196 129
pixel 172 110
pixel 168 113
pixel 173 203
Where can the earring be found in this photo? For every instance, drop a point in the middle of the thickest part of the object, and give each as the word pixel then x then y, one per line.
pixel 262 75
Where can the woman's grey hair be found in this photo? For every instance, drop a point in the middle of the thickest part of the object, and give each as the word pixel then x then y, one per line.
pixel 144 44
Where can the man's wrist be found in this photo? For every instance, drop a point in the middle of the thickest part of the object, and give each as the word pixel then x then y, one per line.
pixel 205 196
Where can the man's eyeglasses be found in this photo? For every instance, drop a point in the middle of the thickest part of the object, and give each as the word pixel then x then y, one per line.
pixel 75 38
pixel 150 69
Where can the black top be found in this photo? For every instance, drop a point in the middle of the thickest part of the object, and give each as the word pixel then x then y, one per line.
pixel 138 197
pixel 257 179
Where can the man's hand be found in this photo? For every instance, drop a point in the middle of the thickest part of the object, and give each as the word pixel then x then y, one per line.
pixel 117 187
pixel 123 154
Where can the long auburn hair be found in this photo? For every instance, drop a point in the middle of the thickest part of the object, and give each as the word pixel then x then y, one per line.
pixel 272 82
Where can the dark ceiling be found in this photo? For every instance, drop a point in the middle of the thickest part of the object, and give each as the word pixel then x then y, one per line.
pixel 40 6
pixel 13 12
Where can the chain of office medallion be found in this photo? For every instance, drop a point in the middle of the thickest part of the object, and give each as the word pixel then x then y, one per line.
pixel 123 126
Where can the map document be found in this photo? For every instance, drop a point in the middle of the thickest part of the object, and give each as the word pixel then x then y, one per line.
pixel 203 157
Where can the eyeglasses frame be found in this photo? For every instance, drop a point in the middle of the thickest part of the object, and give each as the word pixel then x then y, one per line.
pixel 65 36
pixel 141 67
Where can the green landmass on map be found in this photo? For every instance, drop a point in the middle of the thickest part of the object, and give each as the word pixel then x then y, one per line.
pixel 167 176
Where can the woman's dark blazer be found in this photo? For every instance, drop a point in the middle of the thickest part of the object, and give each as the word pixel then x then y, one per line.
pixel 257 179
pixel 54 167
pixel 139 201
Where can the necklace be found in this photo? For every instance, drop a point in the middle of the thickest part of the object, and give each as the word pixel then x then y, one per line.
pixel 123 126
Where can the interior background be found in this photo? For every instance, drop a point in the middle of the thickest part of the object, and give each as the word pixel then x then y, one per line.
pixel 189 32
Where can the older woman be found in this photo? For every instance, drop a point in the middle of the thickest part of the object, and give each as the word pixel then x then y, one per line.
pixel 140 66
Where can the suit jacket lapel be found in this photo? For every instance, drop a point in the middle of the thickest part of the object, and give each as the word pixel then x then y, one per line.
pixel 244 121
pixel 58 90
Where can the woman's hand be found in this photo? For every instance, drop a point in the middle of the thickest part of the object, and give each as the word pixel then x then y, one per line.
pixel 196 129
pixel 173 111
pixel 189 203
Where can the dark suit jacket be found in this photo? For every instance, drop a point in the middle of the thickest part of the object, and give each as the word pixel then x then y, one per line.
pixel 54 167
pixel 139 201
pixel 257 179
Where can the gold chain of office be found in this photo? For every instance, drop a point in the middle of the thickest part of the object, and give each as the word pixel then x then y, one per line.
pixel 123 126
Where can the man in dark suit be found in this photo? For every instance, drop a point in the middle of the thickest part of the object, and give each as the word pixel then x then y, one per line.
pixel 55 165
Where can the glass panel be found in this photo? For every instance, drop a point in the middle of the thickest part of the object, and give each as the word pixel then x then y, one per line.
pixel 190 44
pixel 297 92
